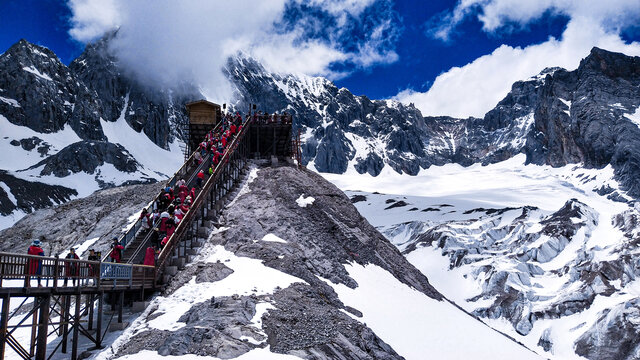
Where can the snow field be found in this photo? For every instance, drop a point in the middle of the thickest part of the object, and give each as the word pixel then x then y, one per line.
pixel 506 184
pixel 419 327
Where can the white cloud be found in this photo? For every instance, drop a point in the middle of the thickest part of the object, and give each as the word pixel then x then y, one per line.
pixel 92 18
pixel 475 88
pixel 170 41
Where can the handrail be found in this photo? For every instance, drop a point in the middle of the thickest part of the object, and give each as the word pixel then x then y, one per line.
pixel 60 271
pixel 199 199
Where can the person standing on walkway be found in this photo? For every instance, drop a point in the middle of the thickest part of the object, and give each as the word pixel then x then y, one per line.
pixel 34 267
pixel 116 251
pixel 71 267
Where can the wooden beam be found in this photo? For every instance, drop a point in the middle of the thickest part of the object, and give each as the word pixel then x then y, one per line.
pixel 43 328
pixel 4 320
pixel 76 329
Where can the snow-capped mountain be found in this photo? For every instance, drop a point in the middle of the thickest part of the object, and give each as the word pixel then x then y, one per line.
pixel 589 116
pixel 534 251
pixel 68 131
pixel 540 227
pixel 123 127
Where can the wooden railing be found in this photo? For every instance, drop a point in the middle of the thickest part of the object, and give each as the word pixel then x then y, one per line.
pixel 200 201
pixel 18 270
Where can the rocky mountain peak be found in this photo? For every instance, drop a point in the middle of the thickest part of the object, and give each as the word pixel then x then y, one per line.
pixel 610 63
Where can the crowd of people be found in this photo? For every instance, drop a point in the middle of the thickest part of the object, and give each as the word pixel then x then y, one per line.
pixel 67 270
pixel 172 204
pixel 275 118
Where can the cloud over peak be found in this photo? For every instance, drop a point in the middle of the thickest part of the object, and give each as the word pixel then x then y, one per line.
pixel 169 41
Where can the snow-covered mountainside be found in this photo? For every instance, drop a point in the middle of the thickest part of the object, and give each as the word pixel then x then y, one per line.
pixel 68 131
pixel 295 272
pixel 532 250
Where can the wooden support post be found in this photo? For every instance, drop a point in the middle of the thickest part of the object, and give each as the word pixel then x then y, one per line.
pixel 34 327
pixel 120 305
pixel 99 324
pixel 65 306
pixel 4 320
pixel 76 329
pixel 43 327
pixel 90 303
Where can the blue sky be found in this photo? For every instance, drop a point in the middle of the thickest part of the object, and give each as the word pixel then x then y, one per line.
pixel 378 48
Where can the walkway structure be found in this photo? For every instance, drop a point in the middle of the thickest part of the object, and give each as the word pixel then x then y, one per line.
pixel 70 301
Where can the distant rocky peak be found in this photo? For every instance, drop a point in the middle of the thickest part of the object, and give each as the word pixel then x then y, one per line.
pixel 610 63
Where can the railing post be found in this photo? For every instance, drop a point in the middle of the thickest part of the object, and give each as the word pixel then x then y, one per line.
pixel 90 307
pixel 120 305
pixel 65 308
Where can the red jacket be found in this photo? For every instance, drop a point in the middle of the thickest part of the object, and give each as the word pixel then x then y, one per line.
pixel 150 257
pixel 71 268
pixel 232 128
pixel 34 266
pixel 116 253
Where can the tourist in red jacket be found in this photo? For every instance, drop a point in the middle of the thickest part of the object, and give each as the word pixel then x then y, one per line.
pixel 116 251
pixel 150 256
pixel 34 267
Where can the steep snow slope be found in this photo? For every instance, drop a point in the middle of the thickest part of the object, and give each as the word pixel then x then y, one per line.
pixel 533 250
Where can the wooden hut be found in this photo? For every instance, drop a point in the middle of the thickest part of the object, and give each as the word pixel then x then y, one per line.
pixel 203 116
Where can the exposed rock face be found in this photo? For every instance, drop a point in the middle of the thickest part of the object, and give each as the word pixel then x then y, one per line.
pixel 101 215
pixel 157 112
pixel 42 94
pixel 556 118
pixel 338 126
pixel 87 156
pixel 615 334
pixel 30 195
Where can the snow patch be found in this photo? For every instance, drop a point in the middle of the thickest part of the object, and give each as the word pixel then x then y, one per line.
pixel 635 117
pixel 11 102
pixel 273 238
pixel 15 157
pixel 34 71
pixel 304 202
pixel 10 195
pixel 415 324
